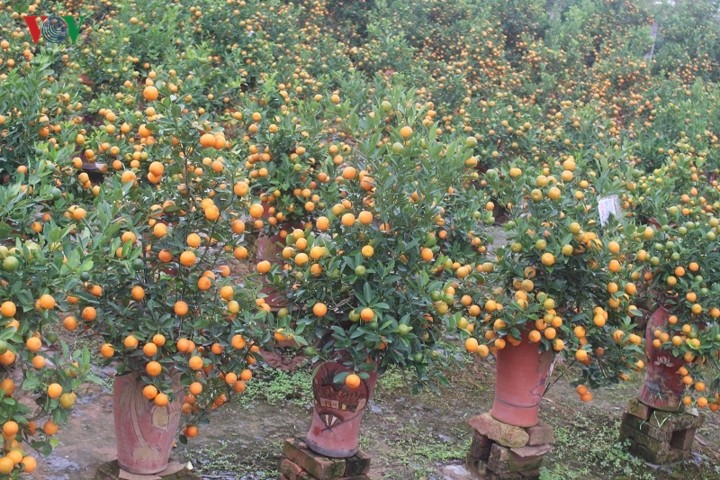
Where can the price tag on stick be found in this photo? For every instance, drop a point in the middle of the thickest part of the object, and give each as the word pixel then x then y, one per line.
pixel 608 206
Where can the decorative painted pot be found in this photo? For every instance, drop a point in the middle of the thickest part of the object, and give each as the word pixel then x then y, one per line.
pixel 521 373
pixel 337 412
pixel 145 433
pixel 663 387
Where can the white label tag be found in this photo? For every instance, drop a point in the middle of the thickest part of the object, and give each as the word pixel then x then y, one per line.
pixel 608 206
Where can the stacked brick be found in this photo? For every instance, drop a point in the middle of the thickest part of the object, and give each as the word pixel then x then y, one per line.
pixel 658 436
pixel 301 463
pixel 502 451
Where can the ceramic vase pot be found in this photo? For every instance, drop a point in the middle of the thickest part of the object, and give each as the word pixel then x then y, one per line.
pixel 663 387
pixel 337 412
pixel 145 433
pixel 522 373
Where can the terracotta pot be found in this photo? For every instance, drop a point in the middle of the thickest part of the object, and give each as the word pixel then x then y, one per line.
pixel 663 387
pixel 268 249
pixel 521 373
pixel 337 412
pixel 144 432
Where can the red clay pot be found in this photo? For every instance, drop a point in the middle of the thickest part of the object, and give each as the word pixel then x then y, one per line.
pixel 144 432
pixel 267 248
pixel 663 387
pixel 521 377
pixel 337 412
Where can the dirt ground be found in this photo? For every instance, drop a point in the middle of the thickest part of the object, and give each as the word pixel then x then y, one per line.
pixel 409 436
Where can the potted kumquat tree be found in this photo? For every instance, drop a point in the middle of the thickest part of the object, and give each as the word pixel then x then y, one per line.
pixel 177 326
pixel 38 266
pixel 365 281
pixel 559 287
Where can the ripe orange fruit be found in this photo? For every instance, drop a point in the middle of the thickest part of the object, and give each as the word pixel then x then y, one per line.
pixel 349 173
pixel 193 240
pixel 322 223
pixel 50 428
pixel 547 259
pixel 405 132
pixel 33 344
pixel 367 314
pixel 187 258
pixel 150 392
pixel 153 368
pixel 161 400
pixel 29 464
pixel 107 350
pixel 256 210
pixel 238 342
pixel 320 309
pixel 263 266
pixel 150 349
pixel 245 375
pixel 367 251
pixel 46 302
pixel 207 140
pixel 54 390
pixel 130 342
pixel 195 362
pixel 137 293
pixel 180 308
pixel 150 93
pixel 165 256
pixel 6 465
pixel 472 345
pixel 353 381
pixel 10 429
pixel 8 309
pixel 89 314
pixel 348 219
pixel 195 388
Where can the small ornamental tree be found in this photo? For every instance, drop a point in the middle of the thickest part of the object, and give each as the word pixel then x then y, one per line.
pixel 368 282
pixel 561 281
pixel 39 265
pixel 164 235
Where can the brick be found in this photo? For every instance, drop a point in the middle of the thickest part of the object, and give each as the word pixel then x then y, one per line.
pixel 532 474
pixel 502 433
pixel 531 451
pixel 540 434
pixel 673 421
pixel 318 466
pixel 524 464
pixel 683 439
pixel 357 465
pixel 480 447
pixel 290 470
pixel 504 476
pixel 499 458
pixel 647 427
pixel 638 409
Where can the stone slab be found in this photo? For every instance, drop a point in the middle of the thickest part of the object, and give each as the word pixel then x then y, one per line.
pixel 540 434
pixel 174 471
pixel 531 451
pixel 502 433
pixel 638 409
